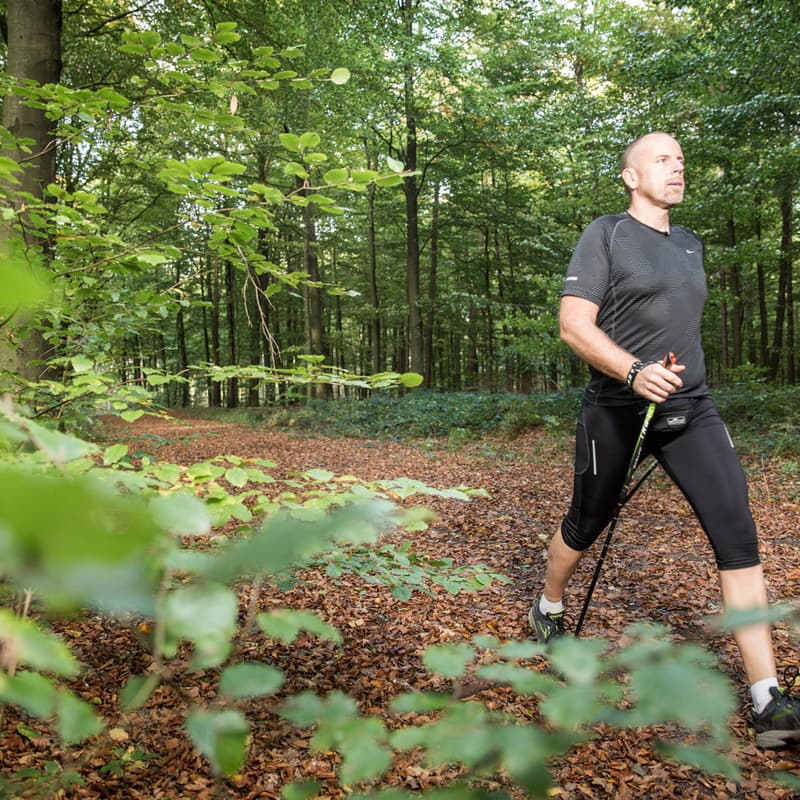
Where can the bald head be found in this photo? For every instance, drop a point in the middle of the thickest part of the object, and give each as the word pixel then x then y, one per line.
pixel 637 146
pixel 645 156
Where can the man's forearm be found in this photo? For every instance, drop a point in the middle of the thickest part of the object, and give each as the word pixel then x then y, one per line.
pixel 596 348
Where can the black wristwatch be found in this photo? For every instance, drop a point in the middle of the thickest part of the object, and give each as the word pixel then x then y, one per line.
pixel 635 369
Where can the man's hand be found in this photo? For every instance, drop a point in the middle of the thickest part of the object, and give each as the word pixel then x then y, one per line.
pixel 657 382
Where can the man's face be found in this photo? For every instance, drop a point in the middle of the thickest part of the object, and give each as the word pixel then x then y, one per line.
pixel 655 171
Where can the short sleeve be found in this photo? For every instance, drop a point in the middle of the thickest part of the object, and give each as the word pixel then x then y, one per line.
pixel 589 268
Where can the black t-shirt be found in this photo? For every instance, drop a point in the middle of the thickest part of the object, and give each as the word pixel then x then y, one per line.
pixel 650 288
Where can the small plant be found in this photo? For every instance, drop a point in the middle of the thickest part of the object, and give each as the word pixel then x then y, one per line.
pixel 52 780
pixel 127 758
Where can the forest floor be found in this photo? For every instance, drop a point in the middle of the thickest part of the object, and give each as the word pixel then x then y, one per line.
pixel 659 570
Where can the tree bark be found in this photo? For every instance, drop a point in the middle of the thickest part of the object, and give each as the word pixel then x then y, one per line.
pixel 376 345
pixel 232 394
pixel 784 279
pixel 411 192
pixel 314 309
pixel 33 35
pixel 429 331
pixel 214 387
pixel 737 302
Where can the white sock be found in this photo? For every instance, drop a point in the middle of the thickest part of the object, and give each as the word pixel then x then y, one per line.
pixel 759 691
pixel 549 607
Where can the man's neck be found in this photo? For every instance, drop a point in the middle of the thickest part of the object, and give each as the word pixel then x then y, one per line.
pixel 653 216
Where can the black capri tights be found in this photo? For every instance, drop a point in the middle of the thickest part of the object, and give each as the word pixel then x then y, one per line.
pixel 700 459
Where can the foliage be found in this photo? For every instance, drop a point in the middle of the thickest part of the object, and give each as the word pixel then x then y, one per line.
pixel 762 415
pixel 194 181
pixel 189 175
pixel 422 414
pixel 138 532
pixel 110 537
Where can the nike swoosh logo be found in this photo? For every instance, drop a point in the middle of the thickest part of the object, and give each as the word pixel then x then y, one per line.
pixel 689 252
pixel 574 278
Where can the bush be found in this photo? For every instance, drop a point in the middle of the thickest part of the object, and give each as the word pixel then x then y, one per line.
pixel 421 414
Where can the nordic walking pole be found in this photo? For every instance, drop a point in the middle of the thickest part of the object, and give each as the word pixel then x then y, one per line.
pixel 625 494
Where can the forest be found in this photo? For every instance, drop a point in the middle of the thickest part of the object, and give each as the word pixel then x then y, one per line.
pixel 293 209
pixel 227 198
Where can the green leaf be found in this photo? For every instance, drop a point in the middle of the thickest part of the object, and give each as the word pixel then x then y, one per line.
pixel 402 593
pixel 307 709
pixel 423 703
pixel 389 180
pixel 661 694
pixel 180 512
pixel 360 742
pixel 137 691
pixel 334 176
pixel 114 454
pixel 34 647
pixel 150 39
pixel 319 475
pixel 293 168
pixel 578 659
pixel 570 706
pixel 703 758
pixel 394 164
pixel 236 476
pixel 284 541
pixel 300 790
pixel 221 736
pixel 203 55
pixel 206 615
pixel 75 719
pixel 520 649
pixel 449 660
pixel 286 624
pixel 250 679
pixel 81 363
pixel 309 139
pixel 523 680
pixel 411 379
pixel 31 691
pixel 290 141
pixel 340 76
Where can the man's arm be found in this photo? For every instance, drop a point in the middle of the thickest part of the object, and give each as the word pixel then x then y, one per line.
pixel 578 324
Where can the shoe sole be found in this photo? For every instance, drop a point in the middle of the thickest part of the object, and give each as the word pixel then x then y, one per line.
pixel 772 740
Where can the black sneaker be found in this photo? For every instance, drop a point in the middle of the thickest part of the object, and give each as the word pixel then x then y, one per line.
pixel 779 723
pixel 545 626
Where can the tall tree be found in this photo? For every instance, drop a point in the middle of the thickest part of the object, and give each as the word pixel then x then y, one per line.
pixel 33 36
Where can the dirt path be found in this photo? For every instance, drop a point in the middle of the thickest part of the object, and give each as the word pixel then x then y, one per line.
pixel 659 570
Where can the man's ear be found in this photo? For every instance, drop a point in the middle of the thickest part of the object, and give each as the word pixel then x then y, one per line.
pixel 630 178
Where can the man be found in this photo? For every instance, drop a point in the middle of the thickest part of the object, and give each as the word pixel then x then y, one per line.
pixel 634 292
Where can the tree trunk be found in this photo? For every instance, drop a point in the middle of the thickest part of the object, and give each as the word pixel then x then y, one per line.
pixel 214 387
pixel 184 397
pixel 252 299
pixel 374 298
pixel 763 318
pixel 784 269
pixel 232 399
pixel 33 35
pixel 412 206
pixel 787 256
pixel 313 293
pixel 737 303
pixel 429 330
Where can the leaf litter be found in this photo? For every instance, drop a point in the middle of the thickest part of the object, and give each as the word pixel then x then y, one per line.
pixel 659 570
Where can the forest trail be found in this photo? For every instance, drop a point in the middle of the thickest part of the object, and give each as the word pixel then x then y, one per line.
pixel 659 570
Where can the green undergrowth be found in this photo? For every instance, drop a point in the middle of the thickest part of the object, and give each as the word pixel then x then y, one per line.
pixel 764 419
